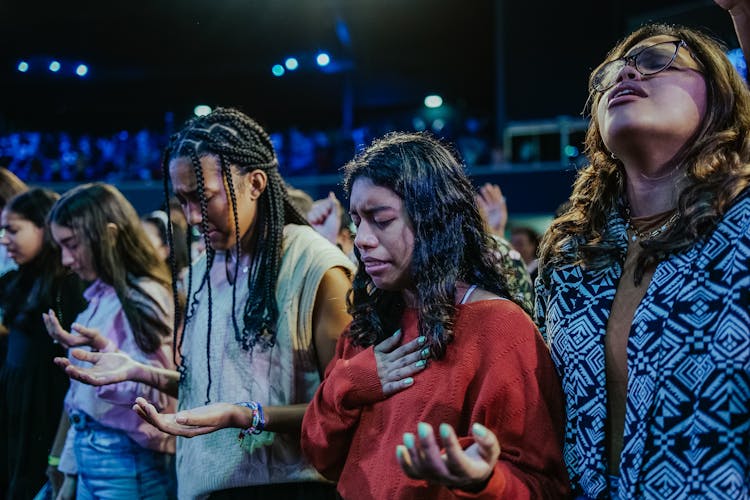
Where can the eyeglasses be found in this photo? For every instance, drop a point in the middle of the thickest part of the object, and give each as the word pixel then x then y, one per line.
pixel 647 61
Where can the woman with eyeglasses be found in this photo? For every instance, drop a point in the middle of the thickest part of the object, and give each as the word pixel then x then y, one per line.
pixel 644 293
pixel 644 286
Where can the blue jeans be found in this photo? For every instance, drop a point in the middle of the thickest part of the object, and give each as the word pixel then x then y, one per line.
pixel 113 466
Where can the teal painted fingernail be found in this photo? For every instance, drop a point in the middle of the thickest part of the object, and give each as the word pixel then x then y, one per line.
pixel 479 430
pixel 421 340
pixel 445 431
pixel 399 452
pixel 421 363
pixel 425 352
pixel 423 429
pixel 397 333
pixel 409 440
pixel 407 381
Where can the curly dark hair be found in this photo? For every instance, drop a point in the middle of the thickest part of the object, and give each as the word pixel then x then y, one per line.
pixel 450 241
pixel 715 161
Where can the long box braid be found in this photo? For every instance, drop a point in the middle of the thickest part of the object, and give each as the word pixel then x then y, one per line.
pixel 237 140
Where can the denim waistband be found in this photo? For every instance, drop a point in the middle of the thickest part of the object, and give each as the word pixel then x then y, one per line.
pixel 81 420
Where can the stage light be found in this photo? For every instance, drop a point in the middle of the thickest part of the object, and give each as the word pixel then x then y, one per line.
pixel 571 151
pixel 277 70
pixel 201 110
pixel 54 66
pixel 23 66
pixel 323 59
pixel 438 124
pixel 291 64
pixel 82 70
pixel 433 101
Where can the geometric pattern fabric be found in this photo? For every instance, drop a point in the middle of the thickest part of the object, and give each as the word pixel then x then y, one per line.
pixel 687 420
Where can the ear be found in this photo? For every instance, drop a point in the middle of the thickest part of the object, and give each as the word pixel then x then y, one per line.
pixel 112 231
pixel 257 180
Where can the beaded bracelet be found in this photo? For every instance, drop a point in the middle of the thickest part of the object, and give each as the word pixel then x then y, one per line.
pixel 258 422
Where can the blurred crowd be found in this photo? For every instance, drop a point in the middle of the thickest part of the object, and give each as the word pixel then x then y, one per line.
pixel 136 155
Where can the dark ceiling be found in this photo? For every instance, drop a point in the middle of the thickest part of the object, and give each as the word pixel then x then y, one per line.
pixel 151 57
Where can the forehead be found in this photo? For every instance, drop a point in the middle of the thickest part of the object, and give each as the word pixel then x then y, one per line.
pixel 652 40
pixel 366 195
pixel 10 217
pixel 182 173
pixel 60 232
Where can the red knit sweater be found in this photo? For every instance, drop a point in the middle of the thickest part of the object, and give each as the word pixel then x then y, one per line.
pixel 497 371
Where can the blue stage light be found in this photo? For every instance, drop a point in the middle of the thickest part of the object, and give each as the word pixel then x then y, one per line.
pixel 54 66
pixel 277 70
pixel 82 70
pixel 433 101
pixel 201 110
pixel 323 59
pixel 23 66
pixel 291 63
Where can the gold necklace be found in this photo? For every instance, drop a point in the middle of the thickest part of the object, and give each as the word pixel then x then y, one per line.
pixel 648 235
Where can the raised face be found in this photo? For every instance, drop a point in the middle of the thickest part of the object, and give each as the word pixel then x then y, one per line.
pixel 385 237
pixel 666 107
pixel 21 237
pixel 219 217
pixel 74 252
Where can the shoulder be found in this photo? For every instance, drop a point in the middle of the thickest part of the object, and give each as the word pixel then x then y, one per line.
pixel 149 287
pixel 480 294
pixel 295 233
pixel 302 246
pixel 505 249
pixel 488 309
pixel 737 219
pixel 498 330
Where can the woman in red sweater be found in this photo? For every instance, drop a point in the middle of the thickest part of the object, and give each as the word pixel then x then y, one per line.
pixel 436 348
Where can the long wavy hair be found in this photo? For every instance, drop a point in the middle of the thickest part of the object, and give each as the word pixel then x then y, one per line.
pixel 241 145
pixel 45 270
pixel 715 162
pixel 450 241
pixel 10 185
pixel 121 260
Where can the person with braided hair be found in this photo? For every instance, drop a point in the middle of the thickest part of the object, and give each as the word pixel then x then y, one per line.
pixel 265 306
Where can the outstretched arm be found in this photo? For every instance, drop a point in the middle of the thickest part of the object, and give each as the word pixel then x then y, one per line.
pixel 114 367
pixel 329 320
pixel 216 416
pixel 740 12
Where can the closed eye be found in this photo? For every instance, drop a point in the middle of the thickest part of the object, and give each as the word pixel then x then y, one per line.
pixel 382 224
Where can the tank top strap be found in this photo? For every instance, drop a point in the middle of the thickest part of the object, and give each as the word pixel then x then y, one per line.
pixel 468 293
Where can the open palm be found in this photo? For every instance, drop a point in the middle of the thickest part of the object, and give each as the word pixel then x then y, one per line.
pixel 108 367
